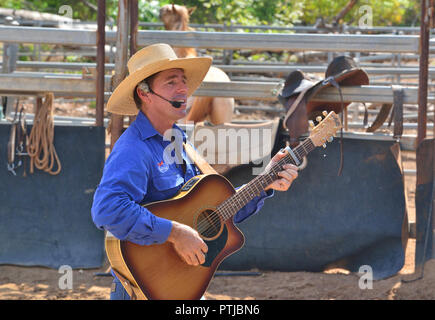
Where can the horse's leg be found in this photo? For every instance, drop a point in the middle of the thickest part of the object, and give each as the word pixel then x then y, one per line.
pixel 222 110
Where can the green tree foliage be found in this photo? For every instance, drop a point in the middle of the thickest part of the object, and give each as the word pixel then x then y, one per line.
pixel 82 9
pixel 306 12
pixel 245 12
pixel 384 13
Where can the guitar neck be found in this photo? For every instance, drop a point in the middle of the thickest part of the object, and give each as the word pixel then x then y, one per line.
pixel 254 188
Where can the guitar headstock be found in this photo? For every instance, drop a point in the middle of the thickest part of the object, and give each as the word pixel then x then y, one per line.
pixel 326 128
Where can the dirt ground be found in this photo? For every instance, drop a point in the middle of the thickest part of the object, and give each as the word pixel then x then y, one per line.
pixel 39 283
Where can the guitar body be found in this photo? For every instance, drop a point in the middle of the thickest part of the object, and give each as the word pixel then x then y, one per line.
pixel 156 271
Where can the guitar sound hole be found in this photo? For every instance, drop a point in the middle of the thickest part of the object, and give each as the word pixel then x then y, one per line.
pixel 209 224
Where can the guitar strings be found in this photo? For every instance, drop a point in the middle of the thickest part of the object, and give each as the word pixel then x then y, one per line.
pixel 224 210
pixel 227 207
pixel 307 143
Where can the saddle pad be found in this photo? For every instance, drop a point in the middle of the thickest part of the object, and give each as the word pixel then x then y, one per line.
pixel 229 145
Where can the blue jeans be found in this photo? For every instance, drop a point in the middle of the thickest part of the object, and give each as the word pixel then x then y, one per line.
pixel 118 292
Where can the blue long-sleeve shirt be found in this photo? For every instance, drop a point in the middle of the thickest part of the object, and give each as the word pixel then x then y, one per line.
pixel 138 172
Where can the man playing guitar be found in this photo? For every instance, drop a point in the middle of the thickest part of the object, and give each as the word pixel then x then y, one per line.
pixel 136 172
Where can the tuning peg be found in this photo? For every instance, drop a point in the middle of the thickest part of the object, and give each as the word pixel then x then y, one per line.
pixel 325 113
pixel 311 123
pixel 324 145
pixel 318 118
pixel 330 139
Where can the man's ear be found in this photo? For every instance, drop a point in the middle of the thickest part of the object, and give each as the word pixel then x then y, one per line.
pixel 144 87
pixel 142 94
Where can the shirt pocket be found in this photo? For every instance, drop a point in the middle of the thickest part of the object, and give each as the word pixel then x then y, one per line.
pixel 165 186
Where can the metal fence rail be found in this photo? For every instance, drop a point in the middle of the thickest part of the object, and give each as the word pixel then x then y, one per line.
pixel 234 68
pixel 71 85
pixel 275 41
pixel 59 36
pixel 68 85
pixel 224 40
pixel 231 26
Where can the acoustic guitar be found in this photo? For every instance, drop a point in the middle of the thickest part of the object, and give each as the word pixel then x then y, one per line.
pixel 207 203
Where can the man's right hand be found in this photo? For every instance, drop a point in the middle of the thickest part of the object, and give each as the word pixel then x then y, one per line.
pixel 188 244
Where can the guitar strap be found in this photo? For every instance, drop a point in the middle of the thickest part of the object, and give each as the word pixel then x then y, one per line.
pixel 396 113
pixel 199 161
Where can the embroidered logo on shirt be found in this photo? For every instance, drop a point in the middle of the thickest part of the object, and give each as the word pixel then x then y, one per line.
pixel 163 167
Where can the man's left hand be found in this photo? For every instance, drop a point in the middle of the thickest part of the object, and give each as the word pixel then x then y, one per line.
pixel 287 175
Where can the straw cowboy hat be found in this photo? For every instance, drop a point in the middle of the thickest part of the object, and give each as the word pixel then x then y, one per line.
pixel 148 61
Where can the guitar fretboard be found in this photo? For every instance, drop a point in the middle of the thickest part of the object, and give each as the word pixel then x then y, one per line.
pixel 254 188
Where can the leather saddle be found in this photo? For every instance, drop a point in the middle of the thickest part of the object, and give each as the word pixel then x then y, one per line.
pixel 299 89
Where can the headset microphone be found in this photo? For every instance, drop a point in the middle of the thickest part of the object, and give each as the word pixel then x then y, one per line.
pixel 175 104
pixel 145 87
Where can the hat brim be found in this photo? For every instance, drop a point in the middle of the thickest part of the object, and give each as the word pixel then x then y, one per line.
pixel 195 69
pixel 351 77
pixel 288 91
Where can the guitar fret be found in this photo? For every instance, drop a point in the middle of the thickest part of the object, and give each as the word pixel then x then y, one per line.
pixel 264 181
pixel 226 209
pixel 247 193
pixel 254 189
pixel 242 198
pixel 245 196
pixel 224 213
pixel 304 145
pixel 297 152
pixel 258 184
pixel 258 189
pixel 238 202
pixel 301 151
pixel 228 213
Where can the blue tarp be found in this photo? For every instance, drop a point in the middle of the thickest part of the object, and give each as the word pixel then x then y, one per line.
pixel 45 220
pixel 424 195
pixel 326 220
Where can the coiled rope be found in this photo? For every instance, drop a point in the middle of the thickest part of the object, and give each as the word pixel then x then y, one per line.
pixel 40 148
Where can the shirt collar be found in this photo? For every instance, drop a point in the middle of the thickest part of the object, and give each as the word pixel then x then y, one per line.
pixel 147 130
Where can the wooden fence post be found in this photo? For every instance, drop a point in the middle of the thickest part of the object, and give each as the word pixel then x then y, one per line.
pixel 117 121
pixel 101 58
